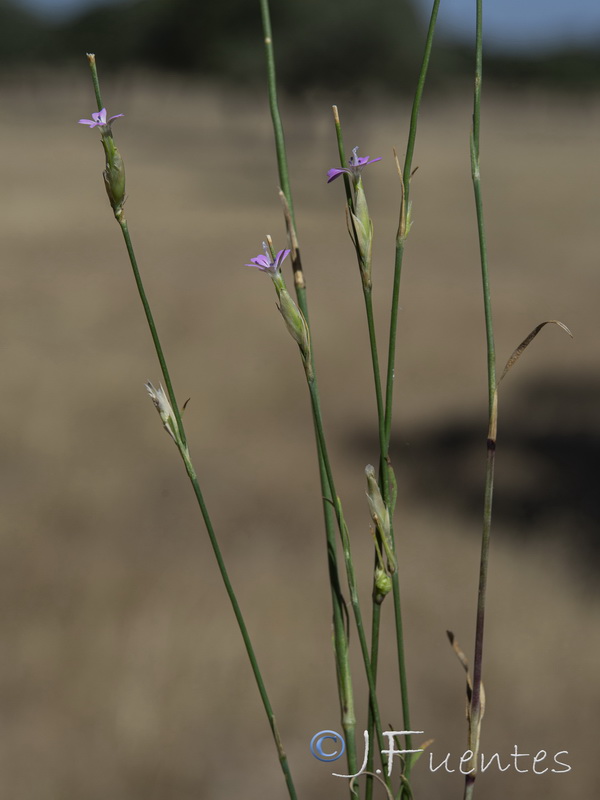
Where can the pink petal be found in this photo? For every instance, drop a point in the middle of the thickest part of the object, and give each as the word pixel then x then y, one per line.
pixel 332 174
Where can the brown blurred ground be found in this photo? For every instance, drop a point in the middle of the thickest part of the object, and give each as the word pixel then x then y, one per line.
pixel 123 673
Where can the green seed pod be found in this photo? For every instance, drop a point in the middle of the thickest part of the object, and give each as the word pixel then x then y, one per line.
pixel 383 583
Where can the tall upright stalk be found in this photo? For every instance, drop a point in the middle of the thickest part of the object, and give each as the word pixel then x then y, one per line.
pixel 476 705
pixel 340 635
pixel 178 433
pixel 364 265
pixel 403 230
pixel 349 567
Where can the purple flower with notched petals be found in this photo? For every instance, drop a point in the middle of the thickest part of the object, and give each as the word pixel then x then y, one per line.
pixel 99 119
pixel 266 264
pixel 354 168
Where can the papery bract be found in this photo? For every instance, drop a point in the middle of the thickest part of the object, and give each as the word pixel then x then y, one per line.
pixel 163 406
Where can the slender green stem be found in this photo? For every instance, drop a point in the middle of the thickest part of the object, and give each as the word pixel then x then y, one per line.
pixel 92 62
pixel 207 520
pixel 243 629
pixel 403 229
pixel 476 710
pixel 368 296
pixel 414 118
pixel 476 176
pixel 274 106
pixel 389 384
pixel 136 273
pixel 342 154
pixel 385 419
pixel 151 325
pixel 347 559
pixel 340 636
pixel 184 452
pixel 383 465
pixel 375 628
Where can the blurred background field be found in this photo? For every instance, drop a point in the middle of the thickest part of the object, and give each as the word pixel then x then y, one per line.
pixel 123 673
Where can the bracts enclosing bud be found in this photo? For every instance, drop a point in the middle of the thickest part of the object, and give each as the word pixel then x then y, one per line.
pixel 295 323
pixel 163 406
pixel 361 233
pixel 114 175
pixel 382 536
pixel 360 225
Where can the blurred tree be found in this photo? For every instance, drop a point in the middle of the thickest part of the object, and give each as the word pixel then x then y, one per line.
pixel 21 34
pixel 355 45
pixel 319 42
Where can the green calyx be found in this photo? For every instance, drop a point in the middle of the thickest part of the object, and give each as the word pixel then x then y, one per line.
pixel 114 174
pixel 293 318
pixel 363 231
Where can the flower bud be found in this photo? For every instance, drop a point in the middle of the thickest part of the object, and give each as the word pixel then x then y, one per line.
pixel 378 509
pixel 165 410
pixel 381 517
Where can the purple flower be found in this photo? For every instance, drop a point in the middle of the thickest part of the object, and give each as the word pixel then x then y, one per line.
pixel 99 119
pixel 354 168
pixel 265 264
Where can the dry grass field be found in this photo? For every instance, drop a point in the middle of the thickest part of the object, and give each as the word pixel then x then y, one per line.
pixel 122 673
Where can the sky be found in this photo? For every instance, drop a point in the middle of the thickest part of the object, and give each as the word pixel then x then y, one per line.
pixel 510 25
